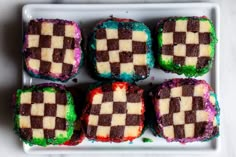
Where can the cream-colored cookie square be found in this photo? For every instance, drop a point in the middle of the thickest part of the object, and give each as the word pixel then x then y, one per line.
pixel 47 28
pixel 181 26
pixel 186 103
pixel 168 131
pixel 164 105
pixel 119 95
pixel 106 108
pixel 167 38
pixel 103 67
pixel 46 54
pixel 212 100
pixel 125 45
pixel 180 50
pixel 97 98
pixel 114 56
pixel 176 92
pixel 101 45
pixel 179 118
pixel 57 42
pixel 127 68
pixel 56 68
pixel 215 122
pixel 37 109
pixel 24 121
pixel 201 116
pixel 191 61
pixel 61 111
pixel 33 41
pixel 69 57
pixel 189 130
pixel 26 97
pixel 204 50
pixel 61 133
pixel 192 38
pixel 93 120
pixel 34 64
pixel 204 26
pixel 49 122
pixel 112 33
pixel 49 97
pixel 199 90
pixel 69 31
pixel 131 131
pixel 118 119
pixel 139 59
pixel 103 131
pixel 139 36
pixel 37 133
pixel 134 108
pixel 167 58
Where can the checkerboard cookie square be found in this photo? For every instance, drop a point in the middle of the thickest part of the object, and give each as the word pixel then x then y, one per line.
pixel 52 49
pixel 186 110
pixel 121 49
pixel 114 112
pixel 44 114
pixel 186 45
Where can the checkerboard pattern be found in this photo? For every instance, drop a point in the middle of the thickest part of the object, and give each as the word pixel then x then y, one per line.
pixel 115 114
pixel 121 51
pixel 182 111
pixel 187 42
pixel 51 47
pixel 42 115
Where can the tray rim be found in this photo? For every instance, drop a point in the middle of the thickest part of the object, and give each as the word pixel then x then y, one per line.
pixel 214 6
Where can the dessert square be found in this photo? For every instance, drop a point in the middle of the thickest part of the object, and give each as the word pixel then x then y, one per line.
pixel 52 49
pixel 186 45
pixel 115 112
pixel 44 114
pixel 185 110
pixel 121 49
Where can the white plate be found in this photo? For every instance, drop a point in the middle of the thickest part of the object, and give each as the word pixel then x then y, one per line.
pixel 87 16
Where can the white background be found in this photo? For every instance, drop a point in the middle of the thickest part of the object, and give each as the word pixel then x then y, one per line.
pixel 10 73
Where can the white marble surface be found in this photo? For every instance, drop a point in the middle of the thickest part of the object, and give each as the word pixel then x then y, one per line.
pixel 10 73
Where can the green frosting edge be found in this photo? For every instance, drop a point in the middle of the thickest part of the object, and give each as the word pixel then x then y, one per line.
pixel 70 118
pixel 138 26
pixel 188 71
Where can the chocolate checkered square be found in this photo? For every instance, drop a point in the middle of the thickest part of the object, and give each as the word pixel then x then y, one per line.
pixel 52 48
pixel 115 112
pixel 121 50
pixel 182 113
pixel 187 42
pixel 42 114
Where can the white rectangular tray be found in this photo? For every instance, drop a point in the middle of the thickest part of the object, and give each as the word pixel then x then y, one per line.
pixel 87 15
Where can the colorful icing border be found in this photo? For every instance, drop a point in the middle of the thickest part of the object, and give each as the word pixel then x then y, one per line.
pixel 79 55
pixel 70 115
pixel 189 71
pixel 126 23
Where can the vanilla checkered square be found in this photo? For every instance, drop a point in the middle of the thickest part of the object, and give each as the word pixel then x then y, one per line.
pixel 42 114
pixel 121 49
pixel 52 48
pixel 115 112
pixel 186 42
pixel 182 107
